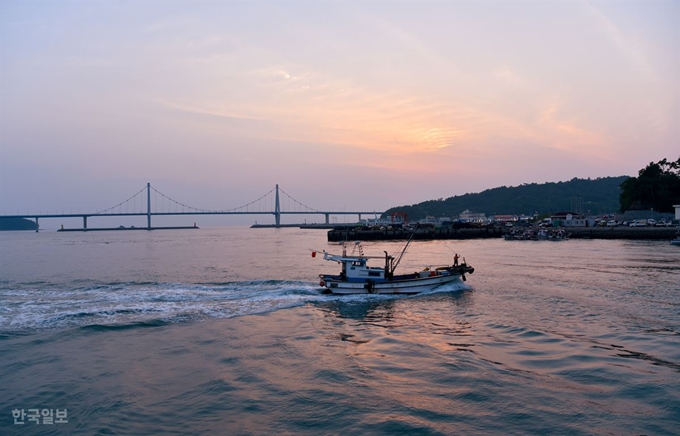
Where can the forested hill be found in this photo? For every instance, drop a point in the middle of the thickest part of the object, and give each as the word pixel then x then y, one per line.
pixel 17 224
pixel 599 196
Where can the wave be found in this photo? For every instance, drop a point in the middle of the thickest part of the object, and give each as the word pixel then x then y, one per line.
pixel 134 325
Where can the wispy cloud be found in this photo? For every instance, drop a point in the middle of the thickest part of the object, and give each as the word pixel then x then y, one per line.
pixel 507 75
pixel 566 133
pixel 631 49
pixel 213 112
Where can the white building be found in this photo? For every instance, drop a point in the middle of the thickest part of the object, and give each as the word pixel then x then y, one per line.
pixel 677 211
pixel 469 216
pixel 571 219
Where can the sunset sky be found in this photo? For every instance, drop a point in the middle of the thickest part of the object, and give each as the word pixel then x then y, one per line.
pixel 346 105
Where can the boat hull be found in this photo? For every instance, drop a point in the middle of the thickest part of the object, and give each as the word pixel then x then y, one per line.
pixel 409 286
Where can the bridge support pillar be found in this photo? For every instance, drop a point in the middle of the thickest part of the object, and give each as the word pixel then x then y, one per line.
pixel 84 222
pixel 277 208
pixel 328 217
pixel 37 226
pixel 148 205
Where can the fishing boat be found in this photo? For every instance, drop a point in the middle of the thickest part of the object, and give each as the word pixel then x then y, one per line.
pixel 356 277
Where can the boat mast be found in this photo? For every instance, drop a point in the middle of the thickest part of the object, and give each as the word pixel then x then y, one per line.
pixel 404 250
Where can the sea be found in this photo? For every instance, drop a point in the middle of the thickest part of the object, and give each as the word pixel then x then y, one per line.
pixel 224 330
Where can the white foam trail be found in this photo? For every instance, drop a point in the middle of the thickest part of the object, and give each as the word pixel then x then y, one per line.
pixel 125 303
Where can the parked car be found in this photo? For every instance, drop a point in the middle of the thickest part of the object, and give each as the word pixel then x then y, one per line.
pixel 638 223
pixel 612 223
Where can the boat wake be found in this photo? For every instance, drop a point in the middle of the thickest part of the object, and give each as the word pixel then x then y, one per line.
pixel 121 305
pixel 116 304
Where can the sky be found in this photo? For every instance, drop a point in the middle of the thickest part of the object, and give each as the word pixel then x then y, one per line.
pixel 347 105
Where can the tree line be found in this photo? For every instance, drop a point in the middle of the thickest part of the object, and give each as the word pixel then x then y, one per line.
pixel 657 187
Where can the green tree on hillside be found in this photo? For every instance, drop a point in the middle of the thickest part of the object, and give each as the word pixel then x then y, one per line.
pixel 656 187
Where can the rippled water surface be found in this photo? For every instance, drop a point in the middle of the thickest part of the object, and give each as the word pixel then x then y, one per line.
pixel 224 331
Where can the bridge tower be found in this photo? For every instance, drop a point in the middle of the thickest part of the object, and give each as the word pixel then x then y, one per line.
pixel 148 205
pixel 277 208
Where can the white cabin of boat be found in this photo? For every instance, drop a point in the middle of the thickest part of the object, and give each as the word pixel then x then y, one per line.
pixel 356 269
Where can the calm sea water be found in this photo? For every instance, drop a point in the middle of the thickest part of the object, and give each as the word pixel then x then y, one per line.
pixel 223 331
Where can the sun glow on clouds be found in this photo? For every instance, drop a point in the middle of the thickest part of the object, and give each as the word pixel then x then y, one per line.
pixel 305 107
pixel 308 106
pixel 469 108
pixel 301 104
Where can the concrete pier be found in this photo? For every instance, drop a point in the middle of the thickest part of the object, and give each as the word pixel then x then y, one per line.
pixel 337 235
pixel 620 232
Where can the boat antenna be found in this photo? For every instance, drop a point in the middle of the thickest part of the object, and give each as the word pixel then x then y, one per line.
pixel 410 238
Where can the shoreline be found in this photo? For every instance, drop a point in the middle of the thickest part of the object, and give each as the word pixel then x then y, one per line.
pixel 619 232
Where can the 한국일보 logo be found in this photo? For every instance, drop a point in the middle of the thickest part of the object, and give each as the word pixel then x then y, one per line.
pixel 40 416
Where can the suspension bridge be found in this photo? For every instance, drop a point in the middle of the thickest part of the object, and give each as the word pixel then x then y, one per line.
pixel 150 202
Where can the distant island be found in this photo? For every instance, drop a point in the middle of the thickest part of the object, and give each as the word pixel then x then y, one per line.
pixel 17 224
pixel 597 196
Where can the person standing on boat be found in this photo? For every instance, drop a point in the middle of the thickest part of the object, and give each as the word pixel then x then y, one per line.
pixel 455 259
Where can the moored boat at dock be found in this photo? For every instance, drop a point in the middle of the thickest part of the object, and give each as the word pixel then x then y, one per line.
pixel 539 234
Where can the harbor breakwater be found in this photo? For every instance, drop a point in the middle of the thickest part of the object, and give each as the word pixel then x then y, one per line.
pixel 338 235
pixel 639 233
pixel 620 232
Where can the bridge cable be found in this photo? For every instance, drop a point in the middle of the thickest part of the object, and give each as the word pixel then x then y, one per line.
pixel 252 202
pixel 121 203
pixel 176 203
pixel 300 204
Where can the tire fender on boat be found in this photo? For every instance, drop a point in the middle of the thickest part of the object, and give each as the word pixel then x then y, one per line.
pixel 322 283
